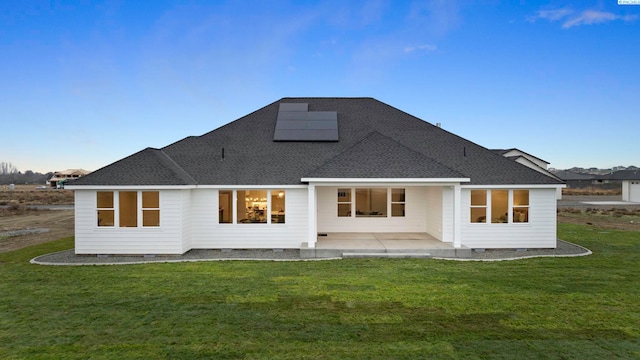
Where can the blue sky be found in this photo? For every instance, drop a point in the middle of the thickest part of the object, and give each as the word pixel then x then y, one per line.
pixel 86 83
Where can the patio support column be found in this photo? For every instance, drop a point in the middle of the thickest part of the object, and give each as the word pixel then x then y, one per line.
pixel 312 205
pixel 457 213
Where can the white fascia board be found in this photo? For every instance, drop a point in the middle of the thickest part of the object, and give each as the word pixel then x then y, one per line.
pixel 530 186
pixel 129 187
pixel 343 181
pixel 231 187
pixel 180 187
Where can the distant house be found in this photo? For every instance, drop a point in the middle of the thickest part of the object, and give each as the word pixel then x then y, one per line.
pixel 630 183
pixel 297 169
pixel 530 161
pixel 60 177
pixel 575 180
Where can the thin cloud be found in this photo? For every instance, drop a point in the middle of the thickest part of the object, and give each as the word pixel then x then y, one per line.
pixel 425 48
pixel 551 15
pixel 589 17
pixel 570 19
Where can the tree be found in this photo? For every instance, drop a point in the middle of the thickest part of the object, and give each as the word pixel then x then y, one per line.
pixel 8 173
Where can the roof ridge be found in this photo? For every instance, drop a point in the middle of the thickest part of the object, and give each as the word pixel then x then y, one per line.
pixel 377 133
pixel 182 172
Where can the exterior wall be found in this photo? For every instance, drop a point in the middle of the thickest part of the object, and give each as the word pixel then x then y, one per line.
pixel 626 195
pixel 187 219
pixel 447 214
pixel 539 232
pixel 631 190
pixel 166 239
pixel 207 233
pixel 434 214
pixel 413 221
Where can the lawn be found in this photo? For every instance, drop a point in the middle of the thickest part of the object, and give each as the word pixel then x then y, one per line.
pixel 547 308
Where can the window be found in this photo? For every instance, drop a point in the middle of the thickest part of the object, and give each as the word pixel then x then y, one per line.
pixel 225 206
pixel 499 206
pixel 252 206
pixel 128 208
pixel 344 202
pixel 277 206
pixel 150 208
pixel 520 206
pixel 123 206
pixel 478 206
pixel 371 202
pixel 397 202
pixel 105 208
pixel 507 206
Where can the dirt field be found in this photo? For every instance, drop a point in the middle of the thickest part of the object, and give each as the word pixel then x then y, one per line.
pixel 39 226
pixel 58 222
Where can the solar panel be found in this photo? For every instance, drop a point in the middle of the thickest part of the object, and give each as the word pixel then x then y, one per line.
pixel 296 123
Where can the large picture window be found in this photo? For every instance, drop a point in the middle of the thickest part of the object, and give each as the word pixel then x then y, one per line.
pixel 371 202
pixel 253 206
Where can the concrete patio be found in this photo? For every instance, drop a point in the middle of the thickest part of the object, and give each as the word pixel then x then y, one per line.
pixel 391 245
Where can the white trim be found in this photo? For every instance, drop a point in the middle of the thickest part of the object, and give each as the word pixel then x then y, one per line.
pixel 130 187
pixel 251 187
pixel 180 187
pixel 385 180
pixel 538 186
pixel 312 206
pixel 457 216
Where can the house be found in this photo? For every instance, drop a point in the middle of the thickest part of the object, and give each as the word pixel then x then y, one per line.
pixel 530 161
pixel 60 177
pixel 630 180
pixel 299 167
pixel 575 180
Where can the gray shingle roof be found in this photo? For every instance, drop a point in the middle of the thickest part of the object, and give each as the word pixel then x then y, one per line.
pixel 376 140
pixel 623 175
pixel 378 156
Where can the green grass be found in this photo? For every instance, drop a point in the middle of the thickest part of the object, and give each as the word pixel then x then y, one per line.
pixel 547 308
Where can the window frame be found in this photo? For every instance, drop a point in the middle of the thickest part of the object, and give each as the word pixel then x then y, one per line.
pixel 353 202
pixel 138 211
pixel 144 209
pixel 111 209
pixel 268 207
pixel 403 202
pixel 350 202
pixel 510 207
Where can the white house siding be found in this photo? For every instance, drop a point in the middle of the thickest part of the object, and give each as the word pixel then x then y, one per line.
pixel 634 190
pixel 433 219
pixel 539 232
pixel 187 219
pixel 413 221
pixel 447 214
pixel 631 190
pixel 166 239
pixel 207 233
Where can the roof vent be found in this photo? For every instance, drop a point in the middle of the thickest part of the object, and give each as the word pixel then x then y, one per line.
pixel 296 123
